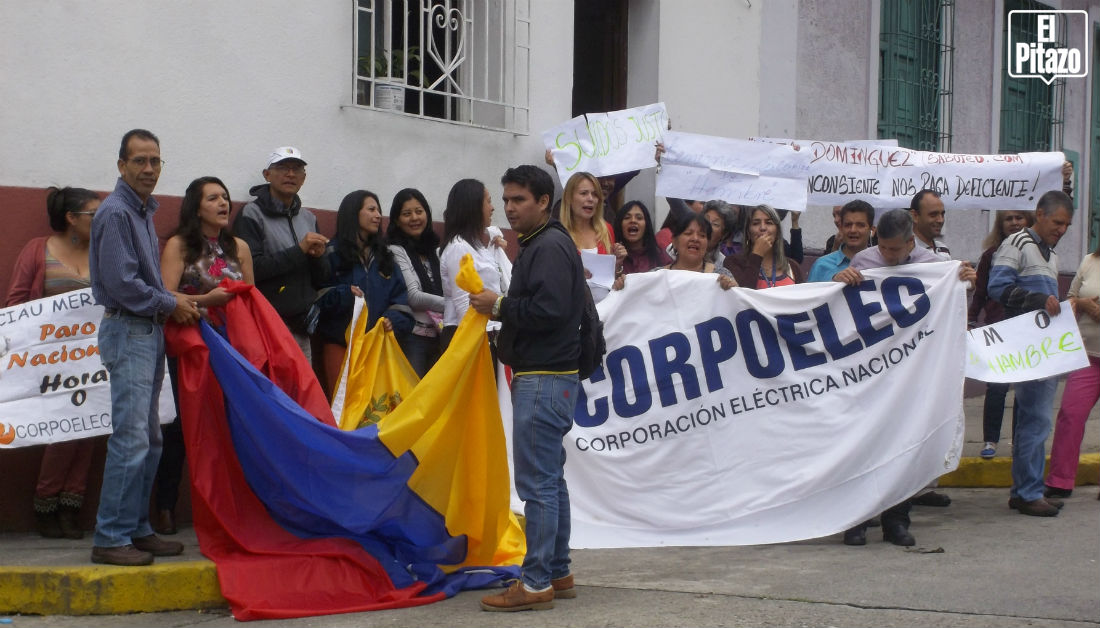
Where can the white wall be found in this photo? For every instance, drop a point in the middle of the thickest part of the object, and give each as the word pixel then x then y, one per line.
pixel 223 83
pixel 702 59
pixel 709 66
pixel 643 59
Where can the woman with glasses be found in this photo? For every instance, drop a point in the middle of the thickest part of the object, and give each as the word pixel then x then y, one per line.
pixel 46 267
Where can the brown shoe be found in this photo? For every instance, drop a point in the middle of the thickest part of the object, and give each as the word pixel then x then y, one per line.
pixel 157 546
pixel 165 522
pixel 563 588
pixel 518 598
pixel 126 556
pixel 1014 502
pixel 1037 508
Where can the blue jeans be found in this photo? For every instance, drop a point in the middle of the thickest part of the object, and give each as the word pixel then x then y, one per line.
pixel 1034 405
pixel 542 414
pixel 132 349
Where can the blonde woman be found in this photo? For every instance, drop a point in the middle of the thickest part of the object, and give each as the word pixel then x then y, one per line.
pixel 582 214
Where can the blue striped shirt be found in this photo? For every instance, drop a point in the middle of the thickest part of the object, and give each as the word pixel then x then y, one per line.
pixel 124 255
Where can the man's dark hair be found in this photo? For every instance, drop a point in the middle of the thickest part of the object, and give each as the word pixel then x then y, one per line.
pixel 531 177
pixel 894 223
pixel 858 206
pixel 914 205
pixel 123 153
pixel 1054 199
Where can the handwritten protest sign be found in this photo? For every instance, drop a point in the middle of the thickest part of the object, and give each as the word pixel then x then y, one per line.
pixel 1026 347
pixel 737 171
pixel 607 143
pixel 888 176
pixel 53 385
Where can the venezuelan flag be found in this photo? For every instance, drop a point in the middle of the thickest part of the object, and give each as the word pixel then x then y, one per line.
pixel 303 518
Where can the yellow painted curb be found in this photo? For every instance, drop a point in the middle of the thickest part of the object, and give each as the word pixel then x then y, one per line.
pixel 997 473
pixel 107 590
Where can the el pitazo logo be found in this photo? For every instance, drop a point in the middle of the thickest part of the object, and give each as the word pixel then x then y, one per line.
pixel 1038 44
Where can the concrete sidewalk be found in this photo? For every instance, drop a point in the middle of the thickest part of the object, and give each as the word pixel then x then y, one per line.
pixel 55 577
pixel 976 564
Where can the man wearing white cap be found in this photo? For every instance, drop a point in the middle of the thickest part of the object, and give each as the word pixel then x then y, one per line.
pixel 287 252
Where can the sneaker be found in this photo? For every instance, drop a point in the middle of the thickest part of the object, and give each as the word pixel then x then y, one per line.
pixel 1054 491
pixel 931 498
pixel 988 451
pixel 157 546
pixel 518 598
pixel 126 556
pixel 563 588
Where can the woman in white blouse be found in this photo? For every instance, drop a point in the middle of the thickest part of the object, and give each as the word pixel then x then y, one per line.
pixel 469 212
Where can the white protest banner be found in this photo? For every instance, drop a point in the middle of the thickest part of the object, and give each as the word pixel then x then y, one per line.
pixel 53 385
pixel 704 167
pixel 1030 346
pixel 786 141
pixel 765 416
pixel 609 143
pixel 888 176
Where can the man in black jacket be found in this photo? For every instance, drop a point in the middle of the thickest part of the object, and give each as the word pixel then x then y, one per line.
pixel 287 252
pixel 540 317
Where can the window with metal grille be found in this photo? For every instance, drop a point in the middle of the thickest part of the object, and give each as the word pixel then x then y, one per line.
pixel 1032 112
pixel 916 53
pixel 464 61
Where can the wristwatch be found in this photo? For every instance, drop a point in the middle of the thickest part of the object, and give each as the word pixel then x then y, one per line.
pixel 496 307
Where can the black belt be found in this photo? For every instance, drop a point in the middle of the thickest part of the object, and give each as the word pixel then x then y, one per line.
pixel 159 318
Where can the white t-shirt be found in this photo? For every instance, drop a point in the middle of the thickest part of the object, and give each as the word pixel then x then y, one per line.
pixel 456 300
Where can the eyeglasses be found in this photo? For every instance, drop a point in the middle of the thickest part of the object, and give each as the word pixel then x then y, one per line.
pixel 141 162
pixel 83 213
pixel 293 168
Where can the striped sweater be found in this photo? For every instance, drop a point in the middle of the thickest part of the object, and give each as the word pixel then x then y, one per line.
pixel 1023 274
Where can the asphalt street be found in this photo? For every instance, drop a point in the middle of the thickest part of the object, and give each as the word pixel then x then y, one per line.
pixel 976 563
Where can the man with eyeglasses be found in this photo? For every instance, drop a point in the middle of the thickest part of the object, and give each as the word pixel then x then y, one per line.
pixel 124 259
pixel 287 251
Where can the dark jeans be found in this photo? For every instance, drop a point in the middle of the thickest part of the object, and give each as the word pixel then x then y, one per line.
pixel 170 469
pixel 993 412
pixel 421 351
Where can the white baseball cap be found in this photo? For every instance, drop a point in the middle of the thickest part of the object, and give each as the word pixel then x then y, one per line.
pixel 283 153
